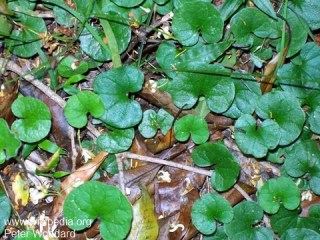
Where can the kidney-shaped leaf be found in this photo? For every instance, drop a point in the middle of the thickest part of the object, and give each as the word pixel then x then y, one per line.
pixel 113 88
pixel 116 141
pixel 193 125
pixel 246 215
pixel 286 111
pixel 191 17
pixel 5 212
pixel 153 121
pixel 218 90
pixel 93 200
pixel 35 122
pixel 276 191
pixel 254 139
pixel 250 23
pixel 9 145
pixel 226 165
pixel 304 158
pixel 79 105
pixel 209 209
pixel 168 56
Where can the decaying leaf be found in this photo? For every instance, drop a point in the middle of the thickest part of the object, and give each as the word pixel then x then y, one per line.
pixel 144 225
pixel 20 188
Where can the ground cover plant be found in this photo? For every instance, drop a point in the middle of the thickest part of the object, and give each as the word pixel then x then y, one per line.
pixel 159 119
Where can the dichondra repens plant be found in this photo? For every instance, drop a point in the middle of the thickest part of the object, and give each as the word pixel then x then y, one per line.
pixel 114 72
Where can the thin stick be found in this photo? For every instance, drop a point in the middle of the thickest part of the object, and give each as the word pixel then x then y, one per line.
pixel 242 192
pixel 121 175
pixel 164 162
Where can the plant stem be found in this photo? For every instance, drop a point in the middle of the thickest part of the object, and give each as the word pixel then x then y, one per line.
pixel 112 43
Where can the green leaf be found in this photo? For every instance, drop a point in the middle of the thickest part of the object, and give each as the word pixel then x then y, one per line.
pixel 256 139
pixel 166 8
pixel 202 109
pixel 118 140
pixel 180 3
pixel 194 16
pixel 229 7
pixel 304 159
pixel 193 125
pixel 168 56
pixel 209 209
pixel 266 7
pixel 110 164
pixel 121 31
pixel 79 105
pixel 127 3
pixel 272 193
pixel 226 165
pixel 28 235
pixel 70 66
pixel 9 145
pixel 301 76
pixel 308 10
pixel 29 36
pixel 60 174
pixel 5 212
pixel 285 219
pixel 314 120
pixel 93 200
pixel 286 111
pixel 50 147
pixel 218 90
pixel 250 23
pixel 5 26
pixel 153 121
pixel 218 235
pixel 300 233
pixel 113 88
pixel 35 122
pixel 247 93
pixel 49 164
pixel 139 13
pixel 298 33
pixel 63 17
pixel 245 223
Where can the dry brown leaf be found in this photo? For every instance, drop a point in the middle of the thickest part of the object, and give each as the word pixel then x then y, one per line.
pixel 83 174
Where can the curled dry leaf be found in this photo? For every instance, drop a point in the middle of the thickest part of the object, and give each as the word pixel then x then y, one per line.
pixel 81 175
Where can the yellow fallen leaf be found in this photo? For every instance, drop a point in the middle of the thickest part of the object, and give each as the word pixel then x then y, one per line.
pixel 145 224
pixel 20 188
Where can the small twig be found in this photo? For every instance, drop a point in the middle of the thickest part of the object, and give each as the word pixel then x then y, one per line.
pixel 121 175
pixel 242 192
pixel 164 162
pixel 74 151
pixel 177 165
